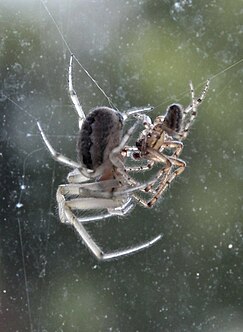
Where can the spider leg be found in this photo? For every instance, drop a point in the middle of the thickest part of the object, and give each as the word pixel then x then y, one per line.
pixel 99 189
pixel 123 209
pixel 67 214
pixel 119 211
pixel 99 195
pixel 96 196
pixel 141 168
pixel 90 203
pixel 134 111
pixel 203 94
pixel 198 100
pixel 96 191
pixel 156 156
pixel 181 165
pixel 56 155
pixel 83 202
pixel 76 176
pixel 166 175
pixel 129 151
pixel 101 192
pixel 73 94
pixel 192 109
pixel 96 250
pixel 85 236
pixel 177 145
pixel 117 152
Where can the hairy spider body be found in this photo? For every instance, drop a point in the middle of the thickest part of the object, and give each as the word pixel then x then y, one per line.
pixel 100 133
pixel 99 180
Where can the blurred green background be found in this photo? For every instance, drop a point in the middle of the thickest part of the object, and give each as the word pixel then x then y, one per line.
pixel 140 53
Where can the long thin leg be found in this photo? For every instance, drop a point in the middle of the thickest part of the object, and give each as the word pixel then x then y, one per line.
pixel 165 183
pixel 191 110
pixel 100 198
pixel 165 171
pixel 67 215
pixel 90 203
pixel 173 159
pixel 200 99
pixel 101 188
pixel 148 186
pixel 73 94
pixel 177 145
pixel 99 191
pixel 134 111
pixel 84 203
pixel 123 209
pixel 116 153
pixel 56 155
pixel 158 156
pixel 168 176
pixel 154 156
pixel 120 211
pixel 203 94
pixel 94 248
pixel 140 168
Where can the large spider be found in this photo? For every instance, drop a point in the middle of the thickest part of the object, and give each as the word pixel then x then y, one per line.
pixel 99 179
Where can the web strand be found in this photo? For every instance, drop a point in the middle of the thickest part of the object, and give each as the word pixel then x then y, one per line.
pixel 79 63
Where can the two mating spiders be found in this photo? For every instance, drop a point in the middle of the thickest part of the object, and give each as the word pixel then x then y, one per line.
pixel 100 179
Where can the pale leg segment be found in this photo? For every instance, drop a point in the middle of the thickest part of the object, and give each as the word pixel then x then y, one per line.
pixel 90 243
pixel 73 94
pixel 56 155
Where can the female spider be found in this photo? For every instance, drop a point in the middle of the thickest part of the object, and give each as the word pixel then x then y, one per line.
pixel 99 179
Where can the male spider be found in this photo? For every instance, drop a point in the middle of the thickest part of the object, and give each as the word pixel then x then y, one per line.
pixel 99 179
pixel 161 142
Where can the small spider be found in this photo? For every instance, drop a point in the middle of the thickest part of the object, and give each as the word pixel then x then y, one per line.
pixel 161 142
pixel 99 179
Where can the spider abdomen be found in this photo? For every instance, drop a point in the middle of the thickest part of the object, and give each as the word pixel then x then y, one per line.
pixel 100 133
pixel 173 118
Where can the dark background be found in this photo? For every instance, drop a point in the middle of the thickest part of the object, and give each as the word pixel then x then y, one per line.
pixel 140 53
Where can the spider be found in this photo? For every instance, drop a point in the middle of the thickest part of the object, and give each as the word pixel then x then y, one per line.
pixel 99 179
pixel 163 136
